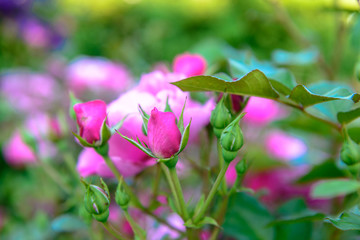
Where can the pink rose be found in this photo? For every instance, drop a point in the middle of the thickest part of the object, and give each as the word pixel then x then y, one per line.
pixel 189 64
pixel 153 90
pixel 17 153
pixel 284 146
pixel 163 134
pixel 90 117
pixel 98 75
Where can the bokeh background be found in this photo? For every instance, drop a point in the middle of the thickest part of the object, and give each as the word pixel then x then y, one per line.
pixel 316 40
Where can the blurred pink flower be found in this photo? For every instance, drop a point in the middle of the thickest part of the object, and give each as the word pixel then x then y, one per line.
pixel 260 111
pixel 128 158
pixel 17 153
pixel 163 134
pixel 280 186
pixel 284 146
pixel 189 64
pixel 29 92
pixel 35 34
pixel 90 117
pixel 161 231
pixel 231 174
pixel 97 75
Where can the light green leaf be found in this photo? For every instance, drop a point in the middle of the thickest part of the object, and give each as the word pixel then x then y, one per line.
pixel 334 188
pixel 346 221
pixel 184 138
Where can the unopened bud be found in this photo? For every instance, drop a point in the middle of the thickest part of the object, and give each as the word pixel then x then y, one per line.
pixel 102 217
pixel 220 117
pixel 232 140
pixel 96 200
pixel 350 152
pixel 241 167
pixel 121 197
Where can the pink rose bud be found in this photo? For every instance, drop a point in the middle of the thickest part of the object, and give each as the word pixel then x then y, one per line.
pixel 17 153
pixel 163 134
pixel 90 117
pixel 189 64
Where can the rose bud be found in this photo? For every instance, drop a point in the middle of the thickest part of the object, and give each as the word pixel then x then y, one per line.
pixel 231 140
pixel 97 201
pixel 350 152
pixel 189 64
pixel 163 134
pixel 91 119
pixel 220 117
pixel 121 197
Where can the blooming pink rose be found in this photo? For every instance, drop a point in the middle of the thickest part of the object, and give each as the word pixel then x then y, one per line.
pixel 163 134
pixel 17 153
pixel 128 158
pixel 97 75
pixel 189 64
pixel 90 117
pixel 260 111
pixel 284 146
pixel 29 92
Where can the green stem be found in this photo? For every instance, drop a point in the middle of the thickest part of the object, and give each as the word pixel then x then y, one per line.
pixel 221 165
pixel 171 184
pixel 212 193
pixel 179 193
pixel 139 232
pixel 112 231
pixel 54 175
pixel 156 183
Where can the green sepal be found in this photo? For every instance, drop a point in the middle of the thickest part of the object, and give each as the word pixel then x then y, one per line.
pixel 73 101
pixel 167 106
pixel 102 217
pixel 204 221
pixel 170 162
pixel 105 134
pixel 184 138
pixel 241 167
pixel 199 205
pixel 180 123
pixel 118 125
pixel 145 117
pixel 104 187
pixel 103 150
pixel 82 141
pixel 138 145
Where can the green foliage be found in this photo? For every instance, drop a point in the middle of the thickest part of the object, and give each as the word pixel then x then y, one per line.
pixel 349 220
pixel 246 218
pixel 334 188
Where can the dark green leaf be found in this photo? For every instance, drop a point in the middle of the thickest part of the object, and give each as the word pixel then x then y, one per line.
pixel 246 219
pixel 327 169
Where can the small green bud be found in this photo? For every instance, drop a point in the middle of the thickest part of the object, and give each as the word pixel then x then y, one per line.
pixel 121 197
pixel 102 217
pixel 350 152
pixel 220 117
pixel 241 167
pixel 232 140
pixel 96 200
